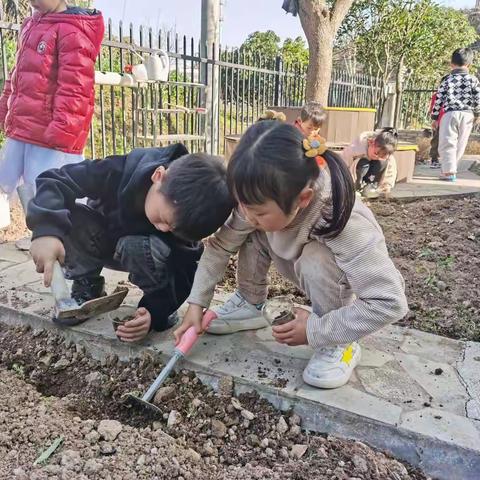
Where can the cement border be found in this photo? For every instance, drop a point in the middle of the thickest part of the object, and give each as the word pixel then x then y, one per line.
pixel 437 458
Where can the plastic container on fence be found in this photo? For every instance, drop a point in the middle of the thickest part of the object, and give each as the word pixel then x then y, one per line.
pixel 158 67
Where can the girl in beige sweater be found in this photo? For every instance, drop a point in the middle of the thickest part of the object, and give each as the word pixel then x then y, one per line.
pixel 371 162
pixel 297 209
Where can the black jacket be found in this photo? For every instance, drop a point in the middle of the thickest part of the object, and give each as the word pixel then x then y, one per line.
pixel 115 186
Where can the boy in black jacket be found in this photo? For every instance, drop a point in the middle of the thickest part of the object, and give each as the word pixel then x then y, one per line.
pixel 146 213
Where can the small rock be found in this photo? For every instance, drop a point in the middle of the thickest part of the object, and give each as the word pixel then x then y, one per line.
pixel 193 455
pixel 173 418
pixel 70 459
pixel 92 467
pixel 264 443
pixel 253 440
pixel 247 415
pixel 20 474
pixel 225 386
pixel 94 378
pixel 295 420
pixel 92 437
pixel 141 460
pixel 196 402
pixel 109 429
pixel 236 403
pixel 46 359
pixel 398 468
pixel 269 452
pixel 185 380
pixel 107 448
pixel 61 364
pixel 163 394
pixel 322 453
pixel 438 371
pixel 442 286
pixel 295 430
pixel 360 463
pixel 341 463
pixel 282 426
pixel 298 451
pixel 219 429
pixel 156 426
pixel 284 453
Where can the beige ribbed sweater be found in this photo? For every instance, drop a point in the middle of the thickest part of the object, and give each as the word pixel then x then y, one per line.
pixel 359 251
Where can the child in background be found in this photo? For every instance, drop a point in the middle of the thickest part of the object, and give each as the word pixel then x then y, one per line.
pixel 297 208
pixel 371 161
pixel 146 213
pixel 48 101
pixel 459 95
pixel 311 119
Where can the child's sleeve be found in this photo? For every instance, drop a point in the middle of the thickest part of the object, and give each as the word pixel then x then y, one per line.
pixel 218 250
pixel 476 96
pixel 57 189
pixel 437 106
pixel 75 83
pixel 7 91
pixel 361 253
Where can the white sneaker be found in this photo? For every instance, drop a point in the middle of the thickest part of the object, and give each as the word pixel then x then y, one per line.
pixel 235 315
pixel 331 367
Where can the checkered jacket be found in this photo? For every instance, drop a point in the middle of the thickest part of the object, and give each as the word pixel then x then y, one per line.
pixel 458 91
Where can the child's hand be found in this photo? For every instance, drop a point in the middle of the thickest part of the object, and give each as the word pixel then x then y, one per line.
pixel 45 251
pixel 193 317
pixel 136 329
pixel 295 332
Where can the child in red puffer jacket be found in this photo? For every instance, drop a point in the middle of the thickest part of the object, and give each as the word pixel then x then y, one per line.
pixel 47 103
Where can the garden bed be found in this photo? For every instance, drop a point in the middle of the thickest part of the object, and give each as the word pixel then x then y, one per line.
pixel 50 390
pixel 435 244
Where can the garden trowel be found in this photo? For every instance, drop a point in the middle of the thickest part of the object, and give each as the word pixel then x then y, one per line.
pixel 67 311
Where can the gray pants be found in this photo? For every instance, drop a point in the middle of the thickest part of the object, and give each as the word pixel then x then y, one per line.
pixel 455 129
pixel 314 271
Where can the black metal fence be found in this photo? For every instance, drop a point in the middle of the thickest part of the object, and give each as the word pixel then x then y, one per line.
pixel 177 110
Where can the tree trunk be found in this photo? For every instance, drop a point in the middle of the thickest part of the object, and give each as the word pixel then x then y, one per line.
pixel 320 25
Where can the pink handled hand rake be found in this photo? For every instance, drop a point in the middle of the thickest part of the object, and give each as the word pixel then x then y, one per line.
pixel 188 340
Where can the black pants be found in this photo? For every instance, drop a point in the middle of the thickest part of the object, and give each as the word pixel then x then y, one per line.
pixel 434 145
pixel 369 171
pixel 160 266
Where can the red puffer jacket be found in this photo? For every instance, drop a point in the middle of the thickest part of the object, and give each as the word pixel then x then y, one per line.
pixel 49 98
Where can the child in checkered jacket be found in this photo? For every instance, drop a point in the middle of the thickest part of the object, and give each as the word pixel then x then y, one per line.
pixel 459 96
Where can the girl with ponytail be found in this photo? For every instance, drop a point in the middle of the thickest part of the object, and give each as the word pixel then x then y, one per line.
pixel 297 208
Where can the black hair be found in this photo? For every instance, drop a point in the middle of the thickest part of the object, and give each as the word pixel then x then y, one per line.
pixel 314 112
pixel 462 57
pixel 386 140
pixel 196 185
pixel 269 163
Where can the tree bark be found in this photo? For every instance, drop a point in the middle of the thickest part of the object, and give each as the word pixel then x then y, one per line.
pixel 320 24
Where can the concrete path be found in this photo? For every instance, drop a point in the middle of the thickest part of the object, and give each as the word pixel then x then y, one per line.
pixel 426 184
pixel 414 394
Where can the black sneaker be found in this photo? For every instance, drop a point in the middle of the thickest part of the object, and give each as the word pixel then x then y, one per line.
pixel 88 288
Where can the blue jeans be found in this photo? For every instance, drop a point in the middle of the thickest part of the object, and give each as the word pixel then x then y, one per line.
pixel 161 266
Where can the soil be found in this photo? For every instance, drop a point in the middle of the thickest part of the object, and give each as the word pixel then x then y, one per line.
pixel 435 244
pixel 17 228
pixel 49 389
